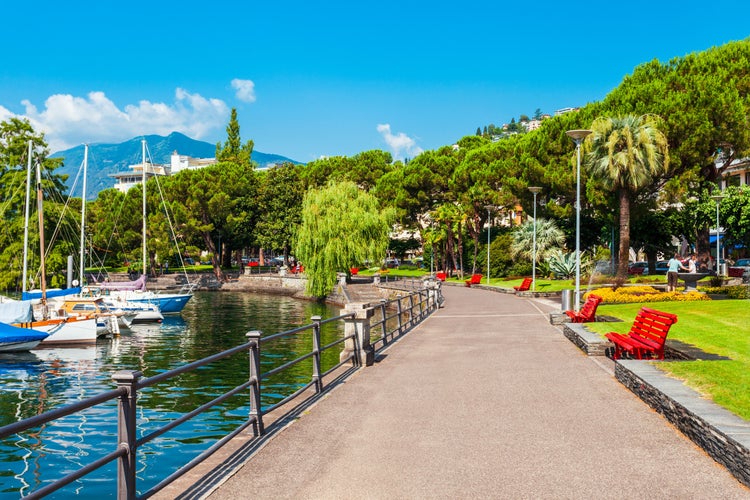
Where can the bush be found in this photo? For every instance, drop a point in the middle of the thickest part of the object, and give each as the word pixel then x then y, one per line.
pixel 637 294
pixel 732 292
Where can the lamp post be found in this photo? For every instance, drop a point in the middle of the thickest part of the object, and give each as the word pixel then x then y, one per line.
pixel 535 190
pixel 717 198
pixel 489 230
pixel 577 136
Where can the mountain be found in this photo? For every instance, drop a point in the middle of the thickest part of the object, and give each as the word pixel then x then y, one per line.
pixel 107 159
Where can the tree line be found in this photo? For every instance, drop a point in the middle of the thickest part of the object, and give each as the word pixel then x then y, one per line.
pixel 700 103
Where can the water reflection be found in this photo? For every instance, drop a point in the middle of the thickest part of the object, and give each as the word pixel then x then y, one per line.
pixel 31 383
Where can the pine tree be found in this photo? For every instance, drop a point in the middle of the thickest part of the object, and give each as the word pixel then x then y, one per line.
pixel 233 151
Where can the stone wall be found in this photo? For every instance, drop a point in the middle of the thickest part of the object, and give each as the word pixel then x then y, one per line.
pixel 723 435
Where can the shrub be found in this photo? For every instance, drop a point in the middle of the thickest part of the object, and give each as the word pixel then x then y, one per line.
pixel 637 294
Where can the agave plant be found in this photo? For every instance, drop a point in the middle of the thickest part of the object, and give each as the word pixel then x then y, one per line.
pixel 563 265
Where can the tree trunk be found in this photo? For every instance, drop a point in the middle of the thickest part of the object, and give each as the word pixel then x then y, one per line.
pixel 211 247
pixel 622 267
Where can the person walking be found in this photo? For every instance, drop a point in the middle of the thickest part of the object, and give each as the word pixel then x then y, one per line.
pixel 673 267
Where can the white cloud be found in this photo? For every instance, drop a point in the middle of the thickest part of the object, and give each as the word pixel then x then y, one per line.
pixel 401 144
pixel 68 120
pixel 245 90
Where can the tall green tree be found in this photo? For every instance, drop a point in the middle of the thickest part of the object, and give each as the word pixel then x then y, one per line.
pixel 342 226
pixel 15 135
pixel 233 150
pixel 626 153
pixel 281 193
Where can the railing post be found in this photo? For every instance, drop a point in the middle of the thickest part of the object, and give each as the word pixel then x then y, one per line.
pixel 357 333
pixel 383 326
pixel 411 308
pixel 126 432
pixel 398 315
pixel 421 305
pixel 256 412
pixel 317 379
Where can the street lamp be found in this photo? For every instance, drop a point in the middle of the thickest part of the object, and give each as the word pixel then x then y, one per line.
pixel 535 190
pixel 577 136
pixel 489 230
pixel 717 198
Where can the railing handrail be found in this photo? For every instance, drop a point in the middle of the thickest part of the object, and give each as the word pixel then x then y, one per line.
pixel 129 385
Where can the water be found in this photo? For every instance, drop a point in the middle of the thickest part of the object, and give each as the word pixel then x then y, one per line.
pixel 44 379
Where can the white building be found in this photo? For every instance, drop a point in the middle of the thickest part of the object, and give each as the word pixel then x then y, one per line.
pixel 178 162
pixel 182 162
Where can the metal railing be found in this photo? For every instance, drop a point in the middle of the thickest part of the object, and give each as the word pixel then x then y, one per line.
pixel 397 316
pixel 129 383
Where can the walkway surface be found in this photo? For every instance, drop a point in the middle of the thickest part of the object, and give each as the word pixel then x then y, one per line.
pixel 485 399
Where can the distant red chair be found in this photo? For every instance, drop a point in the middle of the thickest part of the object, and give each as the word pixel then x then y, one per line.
pixel 587 314
pixel 524 286
pixel 441 276
pixel 354 271
pixel 475 279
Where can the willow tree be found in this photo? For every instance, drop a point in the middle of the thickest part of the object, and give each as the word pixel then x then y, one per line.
pixel 342 226
pixel 626 154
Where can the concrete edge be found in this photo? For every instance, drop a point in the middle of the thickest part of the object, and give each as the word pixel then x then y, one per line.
pixel 587 341
pixel 720 433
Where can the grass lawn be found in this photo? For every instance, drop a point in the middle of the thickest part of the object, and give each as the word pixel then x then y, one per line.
pixel 718 327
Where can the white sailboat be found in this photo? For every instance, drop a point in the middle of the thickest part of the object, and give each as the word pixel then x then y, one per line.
pixel 168 303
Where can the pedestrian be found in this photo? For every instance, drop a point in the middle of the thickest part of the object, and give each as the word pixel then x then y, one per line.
pixel 674 266
pixel 692 264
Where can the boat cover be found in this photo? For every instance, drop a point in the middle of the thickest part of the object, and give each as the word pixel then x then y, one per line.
pixel 51 293
pixel 139 284
pixel 10 333
pixel 19 311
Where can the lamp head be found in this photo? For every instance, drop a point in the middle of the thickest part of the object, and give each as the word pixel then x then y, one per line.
pixel 535 189
pixel 578 135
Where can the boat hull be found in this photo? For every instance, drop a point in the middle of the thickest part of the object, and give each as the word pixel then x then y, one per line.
pixel 71 331
pixel 168 303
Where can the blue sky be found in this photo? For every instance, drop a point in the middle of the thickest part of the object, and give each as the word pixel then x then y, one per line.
pixel 332 79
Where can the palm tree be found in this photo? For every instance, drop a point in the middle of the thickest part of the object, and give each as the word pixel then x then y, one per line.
pixel 548 239
pixel 626 153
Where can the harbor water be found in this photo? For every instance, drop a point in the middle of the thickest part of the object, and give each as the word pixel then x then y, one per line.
pixel 44 379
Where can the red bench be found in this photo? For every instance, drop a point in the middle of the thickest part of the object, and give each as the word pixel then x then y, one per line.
pixel 475 279
pixel 587 313
pixel 646 337
pixel 524 286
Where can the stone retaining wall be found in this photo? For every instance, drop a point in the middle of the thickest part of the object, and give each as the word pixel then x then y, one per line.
pixel 723 435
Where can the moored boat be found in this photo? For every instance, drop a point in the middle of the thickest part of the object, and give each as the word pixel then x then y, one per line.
pixel 15 339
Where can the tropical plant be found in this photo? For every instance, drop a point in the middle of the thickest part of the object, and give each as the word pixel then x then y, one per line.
pixel 626 153
pixel 562 265
pixel 548 239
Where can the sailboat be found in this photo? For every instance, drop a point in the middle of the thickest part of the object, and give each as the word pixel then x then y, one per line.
pixel 60 329
pixel 135 291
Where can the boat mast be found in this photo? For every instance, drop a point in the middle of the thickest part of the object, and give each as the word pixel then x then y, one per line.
pixel 143 184
pixel 83 213
pixel 26 222
pixel 40 210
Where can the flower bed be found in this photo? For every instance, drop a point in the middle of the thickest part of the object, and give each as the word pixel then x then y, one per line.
pixel 635 294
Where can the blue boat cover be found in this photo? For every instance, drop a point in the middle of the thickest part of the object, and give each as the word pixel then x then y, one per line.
pixel 10 333
pixel 51 293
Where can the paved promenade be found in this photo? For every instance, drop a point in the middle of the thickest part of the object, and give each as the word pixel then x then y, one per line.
pixel 485 399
